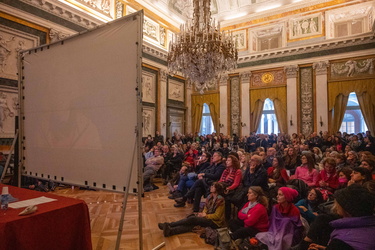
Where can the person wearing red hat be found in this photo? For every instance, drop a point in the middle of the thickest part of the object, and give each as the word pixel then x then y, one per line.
pixel 285 224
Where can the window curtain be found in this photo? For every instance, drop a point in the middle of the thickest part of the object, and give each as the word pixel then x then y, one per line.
pixel 278 96
pixel 339 111
pixel 368 110
pixel 256 115
pixel 365 91
pixel 213 102
pixel 197 117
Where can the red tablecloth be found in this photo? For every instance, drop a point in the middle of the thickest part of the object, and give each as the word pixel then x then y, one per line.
pixel 63 224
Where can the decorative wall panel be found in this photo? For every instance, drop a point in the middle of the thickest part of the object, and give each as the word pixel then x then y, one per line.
pixel 240 38
pixel 176 90
pixel 235 112
pixel 352 69
pixel 11 42
pixel 148 87
pixel 306 100
pixel 148 119
pixel 268 79
pixel 305 26
pixel 8 111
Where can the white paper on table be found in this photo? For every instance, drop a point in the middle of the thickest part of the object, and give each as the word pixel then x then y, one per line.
pixel 30 202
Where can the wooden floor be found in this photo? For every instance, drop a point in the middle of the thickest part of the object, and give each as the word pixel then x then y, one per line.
pixel 105 213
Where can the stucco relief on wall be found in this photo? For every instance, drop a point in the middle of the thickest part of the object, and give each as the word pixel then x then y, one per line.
pixel 11 42
pixel 8 112
pixel 240 39
pixel 269 78
pixel 305 26
pixel 148 87
pixel 352 68
pixel 307 120
pixel 148 120
pixel 176 90
pixel 101 6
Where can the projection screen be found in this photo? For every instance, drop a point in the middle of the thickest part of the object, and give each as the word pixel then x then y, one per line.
pixel 81 107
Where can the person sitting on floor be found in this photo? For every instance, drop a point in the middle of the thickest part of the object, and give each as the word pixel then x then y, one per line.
pixel 285 223
pixel 202 184
pixel 355 230
pixel 153 164
pixel 212 215
pixel 253 217
pixel 309 207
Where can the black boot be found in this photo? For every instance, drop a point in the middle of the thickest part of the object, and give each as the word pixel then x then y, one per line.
pixel 169 231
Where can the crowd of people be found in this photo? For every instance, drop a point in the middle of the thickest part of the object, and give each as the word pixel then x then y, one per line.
pixel 314 192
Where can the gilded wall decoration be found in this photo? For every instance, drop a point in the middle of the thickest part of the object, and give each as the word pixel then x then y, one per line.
pixel 352 68
pixel 269 78
pixel 148 87
pixel 305 26
pixel 176 90
pixel 235 112
pixel 11 42
pixel 307 114
pixel 240 39
pixel 148 120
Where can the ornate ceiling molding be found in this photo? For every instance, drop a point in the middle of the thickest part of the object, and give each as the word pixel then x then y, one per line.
pixel 66 12
pixel 308 48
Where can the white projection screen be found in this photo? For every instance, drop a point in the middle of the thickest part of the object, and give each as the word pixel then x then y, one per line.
pixel 81 107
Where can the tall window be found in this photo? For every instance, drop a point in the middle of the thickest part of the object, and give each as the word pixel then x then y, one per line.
pixel 268 123
pixel 353 119
pixel 207 126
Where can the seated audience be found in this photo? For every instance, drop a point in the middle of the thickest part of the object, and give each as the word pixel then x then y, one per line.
pixel 309 207
pixel 356 229
pixel 359 176
pixel 253 217
pixel 285 224
pixel 307 172
pixel 277 174
pixel 153 164
pixel 212 215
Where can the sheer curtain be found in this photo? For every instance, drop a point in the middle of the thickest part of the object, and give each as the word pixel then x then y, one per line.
pixel 214 115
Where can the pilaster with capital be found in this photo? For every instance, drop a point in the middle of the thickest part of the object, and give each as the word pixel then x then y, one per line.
pixel 321 90
pixel 189 91
pixel 245 100
pixel 291 71
pixel 223 104
pixel 320 67
pixel 163 102
pixel 291 93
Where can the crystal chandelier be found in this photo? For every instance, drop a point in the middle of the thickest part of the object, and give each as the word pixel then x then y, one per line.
pixel 200 51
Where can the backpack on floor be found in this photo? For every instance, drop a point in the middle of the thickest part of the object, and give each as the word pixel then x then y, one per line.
pixel 212 236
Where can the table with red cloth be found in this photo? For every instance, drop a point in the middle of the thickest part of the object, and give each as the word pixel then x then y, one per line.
pixel 62 224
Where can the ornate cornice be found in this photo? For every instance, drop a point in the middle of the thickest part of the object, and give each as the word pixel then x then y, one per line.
pixel 291 71
pixel 320 67
pixel 309 49
pixel 56 35
pixel 66 12
pixel 154 51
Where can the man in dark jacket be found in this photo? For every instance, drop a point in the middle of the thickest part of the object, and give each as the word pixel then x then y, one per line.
pixel 201 186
